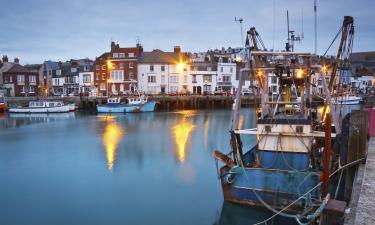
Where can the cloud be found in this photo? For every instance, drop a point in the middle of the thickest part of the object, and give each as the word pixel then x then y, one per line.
pixel 36 30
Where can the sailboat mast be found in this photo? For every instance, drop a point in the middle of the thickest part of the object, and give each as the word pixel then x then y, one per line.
pixel 316 42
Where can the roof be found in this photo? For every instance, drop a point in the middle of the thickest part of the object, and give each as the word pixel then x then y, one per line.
pixel 362 56
pixel 17 68
pixel 158 56
pixel 6 67
pixel 52 65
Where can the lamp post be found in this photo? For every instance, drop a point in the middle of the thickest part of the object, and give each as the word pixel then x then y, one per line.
pixel 108 81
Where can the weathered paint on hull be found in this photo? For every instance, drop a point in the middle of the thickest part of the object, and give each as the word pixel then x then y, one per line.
pixel 147 107
pixel 271 186
pixel 284 160
pixel 110 109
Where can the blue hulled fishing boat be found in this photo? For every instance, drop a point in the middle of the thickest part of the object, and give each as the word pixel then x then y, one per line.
pixel 136 104
pixel 288 170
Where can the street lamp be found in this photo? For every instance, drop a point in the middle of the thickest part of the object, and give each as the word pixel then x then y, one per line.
pixel 108 81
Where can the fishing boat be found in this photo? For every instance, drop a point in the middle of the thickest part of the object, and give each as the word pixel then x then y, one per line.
pixel 348 100
pixel 134 104
pixel 113 105
pixel 42 107
pixel 288 169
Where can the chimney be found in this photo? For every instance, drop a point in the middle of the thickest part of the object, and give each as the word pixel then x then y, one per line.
pixel 17 60
pixel 113 46
pixel 5 59
pixel 60 64
pixel 177 49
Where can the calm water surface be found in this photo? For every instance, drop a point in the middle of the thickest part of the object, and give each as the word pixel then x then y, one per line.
pixel 151 168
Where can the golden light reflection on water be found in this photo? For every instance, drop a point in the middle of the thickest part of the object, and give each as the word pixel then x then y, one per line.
pixel 181 132
pixel 111 138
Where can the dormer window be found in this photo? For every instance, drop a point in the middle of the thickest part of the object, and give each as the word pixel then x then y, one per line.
pixel 115 55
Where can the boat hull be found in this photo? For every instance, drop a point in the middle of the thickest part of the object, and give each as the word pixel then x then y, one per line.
pixel 59 109
pixel 2 107
pixel 350 100
pixel 277 188
pixel 110 109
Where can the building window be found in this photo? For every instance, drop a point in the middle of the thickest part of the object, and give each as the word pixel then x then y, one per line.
pixel 173 79
pixel 20 79
pixel 117 75
pixel 115 55
pixel 194 78
pixel 162 68
pixel 97 67
pixel 102 86
pixel 103 76
pixel 121 55
pixel 151 79
pixel 103 67
pixel 131 54
pixel 97 76
pixel 86 78
pixel 131 75
pixel 131 65
pixel 122 66
pixel 231 70
pixel 209 68
pixel 273 80
pixel 267 128
pixel 185 78
pixel 73 70
pixel 31 89
pixel 207 78
pixel 58 72
pixel 151 68
pixel 226 78
pixel 23 90
pixel 32 79
pixel 221 69
pixel 299 129
pixel 162 78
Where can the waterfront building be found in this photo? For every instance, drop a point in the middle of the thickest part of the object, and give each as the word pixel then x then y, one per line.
pixel 164 72
pixel 5 66
pixel 49 68
pixel 203 77
pixel 115 72
pixel 226 74
pixel 20 81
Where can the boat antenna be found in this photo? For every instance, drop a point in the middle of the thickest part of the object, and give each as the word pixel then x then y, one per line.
pixel 316 42
pixel 287 22
pixel 274 25
pixel 239 21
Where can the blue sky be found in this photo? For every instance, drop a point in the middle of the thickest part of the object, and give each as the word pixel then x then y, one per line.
pixel 38 30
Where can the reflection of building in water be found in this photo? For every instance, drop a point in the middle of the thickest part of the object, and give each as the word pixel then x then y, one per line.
pixel 181 133
pixel 111 139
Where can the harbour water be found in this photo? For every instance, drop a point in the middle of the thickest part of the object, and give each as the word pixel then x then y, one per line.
pixel 117 169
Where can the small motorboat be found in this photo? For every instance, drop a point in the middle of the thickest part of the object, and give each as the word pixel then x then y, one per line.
pixel 42 107
pixel 113 105
pixel 348 100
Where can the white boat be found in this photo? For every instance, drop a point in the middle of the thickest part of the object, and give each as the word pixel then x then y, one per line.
pixel 42 107
pixel 348 100
pixel 72 107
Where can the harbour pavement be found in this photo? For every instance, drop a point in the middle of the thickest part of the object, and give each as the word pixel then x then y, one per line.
pixel 365 212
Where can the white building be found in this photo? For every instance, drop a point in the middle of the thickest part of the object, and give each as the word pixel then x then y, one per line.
pixel 164 72
pixel 226 75
pixel 86 83
pixel 203 77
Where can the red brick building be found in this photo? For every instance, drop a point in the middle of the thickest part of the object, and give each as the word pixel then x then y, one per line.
pixel 115 72
pixel 19 81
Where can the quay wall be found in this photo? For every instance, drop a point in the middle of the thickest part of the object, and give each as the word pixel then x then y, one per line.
pixel 164 103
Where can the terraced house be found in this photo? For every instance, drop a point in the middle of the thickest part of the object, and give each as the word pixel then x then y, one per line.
pixel 115 72
pixel 19 81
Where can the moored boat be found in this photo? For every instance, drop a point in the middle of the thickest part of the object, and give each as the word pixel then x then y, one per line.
pixel 348 100
pixel 3 105
pixel 113 105
pixel 42 107
pixel 135 104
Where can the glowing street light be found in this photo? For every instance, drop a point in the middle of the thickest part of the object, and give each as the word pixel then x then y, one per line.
pixel 238 59
pixel 181 66
pixel 300 74
pixel 325 69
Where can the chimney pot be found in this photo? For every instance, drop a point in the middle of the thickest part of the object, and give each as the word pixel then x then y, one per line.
pixel 17 60
pixel 177 49
pixel 5 59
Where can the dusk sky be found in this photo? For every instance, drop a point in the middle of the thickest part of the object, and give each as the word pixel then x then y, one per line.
pixel 38 30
